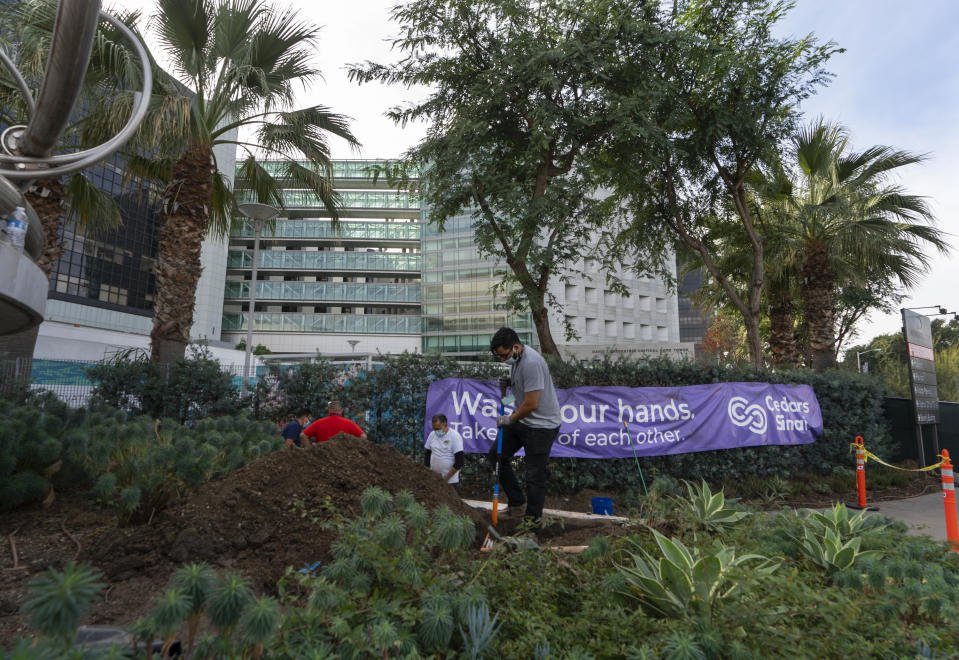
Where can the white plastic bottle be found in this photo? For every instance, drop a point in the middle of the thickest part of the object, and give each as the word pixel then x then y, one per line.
pixel 17 228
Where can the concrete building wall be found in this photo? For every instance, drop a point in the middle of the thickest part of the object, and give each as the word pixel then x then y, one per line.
pixel 208 311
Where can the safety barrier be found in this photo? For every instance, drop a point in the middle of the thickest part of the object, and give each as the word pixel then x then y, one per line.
pixel 948 485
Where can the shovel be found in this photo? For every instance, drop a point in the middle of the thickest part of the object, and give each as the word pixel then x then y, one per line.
pixel 488 541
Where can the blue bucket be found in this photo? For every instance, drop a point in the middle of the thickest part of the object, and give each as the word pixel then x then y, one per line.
pixel 603 506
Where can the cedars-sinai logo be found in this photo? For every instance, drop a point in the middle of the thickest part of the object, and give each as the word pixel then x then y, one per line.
pixel 743 414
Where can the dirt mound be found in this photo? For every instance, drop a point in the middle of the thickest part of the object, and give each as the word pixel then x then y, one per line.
pixel 258 518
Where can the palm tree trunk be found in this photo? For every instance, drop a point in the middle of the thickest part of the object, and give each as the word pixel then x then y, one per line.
pixel 46 196
pixel 783 348
pixel 184 225
pixel 817 295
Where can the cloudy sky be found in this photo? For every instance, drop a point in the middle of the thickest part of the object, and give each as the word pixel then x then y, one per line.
pixel 896 84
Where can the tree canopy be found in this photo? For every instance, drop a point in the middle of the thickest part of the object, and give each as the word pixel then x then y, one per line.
pixel 525 99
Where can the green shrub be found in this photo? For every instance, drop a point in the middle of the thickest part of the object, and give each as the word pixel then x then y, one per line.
pixel 194 388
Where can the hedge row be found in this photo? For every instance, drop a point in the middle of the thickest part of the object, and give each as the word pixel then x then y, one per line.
pixel 390 400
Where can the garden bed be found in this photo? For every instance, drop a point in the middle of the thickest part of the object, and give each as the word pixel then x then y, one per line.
pixel 259 519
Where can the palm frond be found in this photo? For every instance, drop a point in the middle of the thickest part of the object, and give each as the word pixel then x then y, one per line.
pixel 185 29
pixel 223 206
pixel 92 209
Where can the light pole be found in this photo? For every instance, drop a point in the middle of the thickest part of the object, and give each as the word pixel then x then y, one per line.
pixel 353 343
pixel 858 353
pixel 258 213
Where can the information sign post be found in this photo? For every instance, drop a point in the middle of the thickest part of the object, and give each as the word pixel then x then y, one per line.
pixel 917 330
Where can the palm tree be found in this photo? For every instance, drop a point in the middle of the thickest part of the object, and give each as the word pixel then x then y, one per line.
pixel 850 221
pixel 242 60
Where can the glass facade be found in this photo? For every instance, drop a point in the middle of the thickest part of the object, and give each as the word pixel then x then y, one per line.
pixel 323 323
pixel 460 311
pixel 338 261
pixel 342 169
pixel 359 276
pixel 112 270
pixel 326 292
pixel 319 228
pixel 349 199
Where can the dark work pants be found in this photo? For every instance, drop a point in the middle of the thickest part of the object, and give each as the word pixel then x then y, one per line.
pixel 537 443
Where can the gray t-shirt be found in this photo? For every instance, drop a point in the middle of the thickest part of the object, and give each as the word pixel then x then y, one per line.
pixel 528 375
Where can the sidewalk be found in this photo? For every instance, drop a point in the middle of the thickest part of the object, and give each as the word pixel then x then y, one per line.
pixel 924 514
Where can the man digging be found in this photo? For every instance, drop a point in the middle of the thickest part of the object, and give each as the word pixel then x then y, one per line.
pixel 533 426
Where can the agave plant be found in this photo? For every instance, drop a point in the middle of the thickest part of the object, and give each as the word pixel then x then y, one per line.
pixel 838 520
pixel 685 580
pixel 709 509
pixel 828 551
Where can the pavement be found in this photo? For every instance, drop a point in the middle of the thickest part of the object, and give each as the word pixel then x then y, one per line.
pixel 925 514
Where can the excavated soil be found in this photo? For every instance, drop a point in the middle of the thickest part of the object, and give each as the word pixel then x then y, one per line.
pixel 259 519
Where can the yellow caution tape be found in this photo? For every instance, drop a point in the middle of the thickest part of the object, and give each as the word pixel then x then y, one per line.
pixel 868 454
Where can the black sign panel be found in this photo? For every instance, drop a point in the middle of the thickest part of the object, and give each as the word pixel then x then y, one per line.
pixel 918 328
pixel 918 364
pixel 920 391
pixel 924 378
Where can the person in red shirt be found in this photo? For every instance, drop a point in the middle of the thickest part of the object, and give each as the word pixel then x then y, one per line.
pixel 326 427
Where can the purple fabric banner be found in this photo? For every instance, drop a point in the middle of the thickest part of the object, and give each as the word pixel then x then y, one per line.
pixel 660 420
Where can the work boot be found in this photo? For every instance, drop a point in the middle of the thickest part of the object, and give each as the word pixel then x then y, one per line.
pixel 515 511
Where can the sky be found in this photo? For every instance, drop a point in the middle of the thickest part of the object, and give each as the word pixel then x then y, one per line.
pixel 897 84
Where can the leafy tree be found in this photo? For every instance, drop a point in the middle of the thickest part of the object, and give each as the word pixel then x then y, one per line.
pixel 242 61
pixel 734 93
pixel 524 97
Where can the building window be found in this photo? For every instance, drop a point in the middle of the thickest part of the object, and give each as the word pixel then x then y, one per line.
pixel 610 328
pixel 609 298
pixel 662 333
pixel 572 294
pixel 645 331
pixel 591 295
pixel 629 331
pixel 661 305
pixel 592 327
pixel 645 303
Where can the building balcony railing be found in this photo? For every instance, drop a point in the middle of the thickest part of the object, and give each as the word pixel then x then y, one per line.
pixel 366 231
pixel 327 292
pixel 349 199
pixel 337 261
pixel 342 169
pixel 382 324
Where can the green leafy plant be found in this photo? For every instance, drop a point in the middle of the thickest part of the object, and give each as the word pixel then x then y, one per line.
pixel 708 509
pixel 838 520
pixel 828 551
pixel 58 599
pixel 481 631
pixel 684 581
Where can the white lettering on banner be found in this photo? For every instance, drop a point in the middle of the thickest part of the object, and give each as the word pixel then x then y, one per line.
pixel 488 409
pixel 474 430
pixel 785 405
pixel 645 414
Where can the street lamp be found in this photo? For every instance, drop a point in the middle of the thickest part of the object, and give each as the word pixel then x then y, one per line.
pixel 858 353
pixel 942 310
pixel 353 343
pixel 258 213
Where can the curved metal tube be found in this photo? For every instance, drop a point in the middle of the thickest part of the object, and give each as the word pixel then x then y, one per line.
pixel 70 49
pixel 78 160
pixel 21 83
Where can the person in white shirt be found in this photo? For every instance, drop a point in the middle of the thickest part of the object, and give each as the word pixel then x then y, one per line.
pixel 444 450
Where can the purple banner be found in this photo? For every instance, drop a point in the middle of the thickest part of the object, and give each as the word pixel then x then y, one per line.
pixel 660 420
